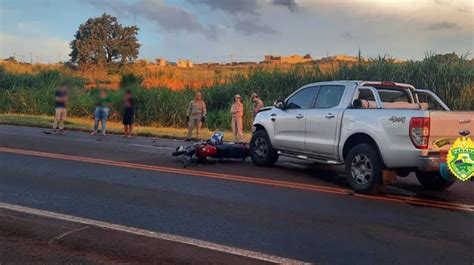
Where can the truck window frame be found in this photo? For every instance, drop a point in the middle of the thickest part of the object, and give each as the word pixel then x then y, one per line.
pixel 311 106
pixel 329 85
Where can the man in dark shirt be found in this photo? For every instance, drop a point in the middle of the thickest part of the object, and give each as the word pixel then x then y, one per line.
pixel 128 113
pixel 60 104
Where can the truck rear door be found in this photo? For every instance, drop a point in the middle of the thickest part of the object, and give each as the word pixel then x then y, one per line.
pixel 322 121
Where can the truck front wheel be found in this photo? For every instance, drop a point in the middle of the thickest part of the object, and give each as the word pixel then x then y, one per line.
pixel 261 149
pixel 433 180
pixel 364 169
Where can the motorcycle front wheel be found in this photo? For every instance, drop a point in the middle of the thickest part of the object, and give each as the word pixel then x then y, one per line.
pixel 187 160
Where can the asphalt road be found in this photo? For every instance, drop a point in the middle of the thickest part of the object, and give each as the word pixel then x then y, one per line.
pixel 296 210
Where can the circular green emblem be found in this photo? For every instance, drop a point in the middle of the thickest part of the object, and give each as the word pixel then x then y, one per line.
pixel 460 158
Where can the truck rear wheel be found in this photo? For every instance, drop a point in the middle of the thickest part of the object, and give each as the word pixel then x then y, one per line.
pixel 433 180
pixel 364 169
pixel 261 149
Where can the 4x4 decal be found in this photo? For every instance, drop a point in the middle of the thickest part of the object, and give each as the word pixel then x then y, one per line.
pixel 395 119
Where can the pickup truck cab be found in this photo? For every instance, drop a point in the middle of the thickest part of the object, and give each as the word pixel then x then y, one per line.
pixel 373 128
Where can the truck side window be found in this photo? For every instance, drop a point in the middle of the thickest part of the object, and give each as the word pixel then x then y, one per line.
pixel 329 96
pixel 303 99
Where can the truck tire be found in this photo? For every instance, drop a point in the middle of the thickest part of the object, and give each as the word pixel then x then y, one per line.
pixel 364 169
pixel 433 180
pixel 261 149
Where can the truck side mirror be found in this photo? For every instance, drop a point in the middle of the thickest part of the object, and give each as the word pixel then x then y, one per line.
pixel 279 104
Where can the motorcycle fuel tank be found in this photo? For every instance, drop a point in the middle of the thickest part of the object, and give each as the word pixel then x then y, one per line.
pixel 206 150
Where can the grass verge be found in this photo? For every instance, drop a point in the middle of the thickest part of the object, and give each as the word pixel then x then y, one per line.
pixel 82 124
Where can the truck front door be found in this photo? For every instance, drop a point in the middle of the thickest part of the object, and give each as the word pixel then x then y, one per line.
pixel 289 122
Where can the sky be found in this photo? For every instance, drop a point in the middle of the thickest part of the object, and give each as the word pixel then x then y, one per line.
pixel 245 30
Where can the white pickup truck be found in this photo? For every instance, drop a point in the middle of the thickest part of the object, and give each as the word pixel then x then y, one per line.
pixel 377 129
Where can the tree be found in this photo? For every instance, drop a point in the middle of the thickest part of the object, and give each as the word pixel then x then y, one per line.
pixel 103 41
pixel 446 58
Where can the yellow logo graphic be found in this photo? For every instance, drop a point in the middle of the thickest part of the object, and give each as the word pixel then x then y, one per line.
pixel 460 158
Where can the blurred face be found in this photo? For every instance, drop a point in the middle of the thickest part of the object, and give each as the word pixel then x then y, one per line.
pixel 237 98
pixel 103 93
pixel 63 88
pixel 198 96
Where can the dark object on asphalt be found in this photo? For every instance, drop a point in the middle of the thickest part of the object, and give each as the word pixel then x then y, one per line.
pixel 433 180
pixel 214 147
pixel 55 132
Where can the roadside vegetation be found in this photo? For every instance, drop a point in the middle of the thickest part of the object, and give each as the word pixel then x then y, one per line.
pixel 448 75
pixel 85 125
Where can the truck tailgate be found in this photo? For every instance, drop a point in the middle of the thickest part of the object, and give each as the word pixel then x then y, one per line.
pixel 446 125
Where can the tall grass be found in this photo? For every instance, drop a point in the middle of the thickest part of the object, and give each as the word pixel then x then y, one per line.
pixel 449 76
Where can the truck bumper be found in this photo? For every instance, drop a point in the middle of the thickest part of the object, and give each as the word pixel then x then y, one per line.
pixel 435 163
pixel 428 163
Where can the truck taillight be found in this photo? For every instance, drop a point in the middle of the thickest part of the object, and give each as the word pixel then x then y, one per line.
pixel 420 132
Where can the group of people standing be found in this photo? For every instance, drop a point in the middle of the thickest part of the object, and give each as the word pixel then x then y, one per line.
pixel 197 111
pixel 195 115
pixel 101 111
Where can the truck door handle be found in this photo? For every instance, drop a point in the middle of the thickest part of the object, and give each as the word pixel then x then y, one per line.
pixel 330 116
pixel 299 116
pixel 272 117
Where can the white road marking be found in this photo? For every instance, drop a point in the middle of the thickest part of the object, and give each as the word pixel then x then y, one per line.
pixel 142 232
pixel 68 233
